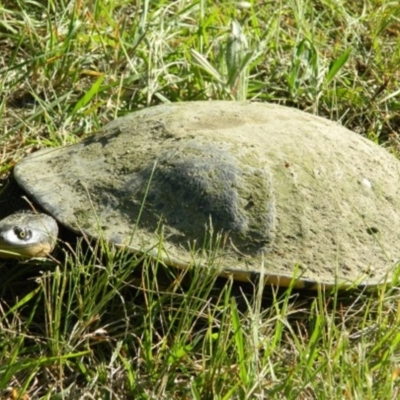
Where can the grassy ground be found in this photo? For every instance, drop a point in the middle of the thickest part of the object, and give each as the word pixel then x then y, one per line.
pixel 103 327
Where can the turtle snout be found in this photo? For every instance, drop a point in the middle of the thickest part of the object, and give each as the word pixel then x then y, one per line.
pixel 27 235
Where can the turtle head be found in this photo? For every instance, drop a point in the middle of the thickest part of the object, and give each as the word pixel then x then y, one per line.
pixel 27 235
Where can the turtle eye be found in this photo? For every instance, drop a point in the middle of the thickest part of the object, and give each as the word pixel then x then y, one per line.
pixel 22 233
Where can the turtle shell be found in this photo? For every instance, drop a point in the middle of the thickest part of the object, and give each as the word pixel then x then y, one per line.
pixel 252 189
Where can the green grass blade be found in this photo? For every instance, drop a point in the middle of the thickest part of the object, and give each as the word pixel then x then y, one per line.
pixel 239 340
pixel 87 97
pixel 202 62
pixel 337 65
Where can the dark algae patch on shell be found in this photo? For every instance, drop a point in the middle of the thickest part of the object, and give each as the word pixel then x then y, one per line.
pixel 281 192
pixel 203 187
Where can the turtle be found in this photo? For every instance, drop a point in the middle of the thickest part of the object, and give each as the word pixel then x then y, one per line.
pixel 253 190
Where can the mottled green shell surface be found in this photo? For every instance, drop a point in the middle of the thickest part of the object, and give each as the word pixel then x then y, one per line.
pixel 252 189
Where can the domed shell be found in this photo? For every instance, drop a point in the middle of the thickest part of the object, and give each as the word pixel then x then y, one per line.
pixel 256 190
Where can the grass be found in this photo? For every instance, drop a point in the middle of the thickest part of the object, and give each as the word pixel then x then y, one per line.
pixel 95 326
